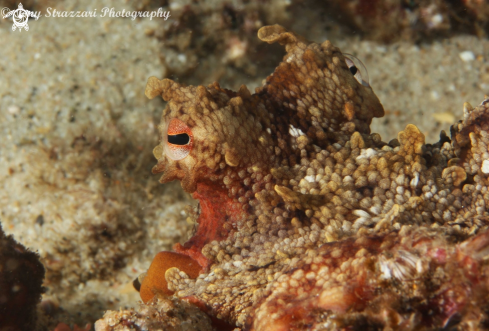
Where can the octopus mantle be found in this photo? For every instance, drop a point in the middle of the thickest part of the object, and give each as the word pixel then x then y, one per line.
pixel 309 221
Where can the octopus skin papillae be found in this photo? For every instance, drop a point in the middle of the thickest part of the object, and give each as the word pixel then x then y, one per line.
pixel 308 221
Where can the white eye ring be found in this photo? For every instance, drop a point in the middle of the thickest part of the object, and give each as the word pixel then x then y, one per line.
pixel 174 135
pixel 357 69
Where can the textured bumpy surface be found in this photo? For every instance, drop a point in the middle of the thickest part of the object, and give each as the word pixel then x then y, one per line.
pixel 309 221
pixel 21 276
pixel 166 314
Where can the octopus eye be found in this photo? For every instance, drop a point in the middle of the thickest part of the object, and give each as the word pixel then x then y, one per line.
pixel 179 140
pixel 357 69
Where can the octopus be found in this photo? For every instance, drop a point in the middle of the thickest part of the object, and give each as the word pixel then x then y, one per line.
pixel 307 220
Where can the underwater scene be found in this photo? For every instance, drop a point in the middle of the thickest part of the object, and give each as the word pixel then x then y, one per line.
pixel 244 165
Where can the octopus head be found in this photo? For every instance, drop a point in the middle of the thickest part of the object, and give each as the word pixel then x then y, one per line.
pixel 206 132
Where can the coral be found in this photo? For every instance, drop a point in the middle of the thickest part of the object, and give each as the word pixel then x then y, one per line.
pixel 21 276
pixel 308 219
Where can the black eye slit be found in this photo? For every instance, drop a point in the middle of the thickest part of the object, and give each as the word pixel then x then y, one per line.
pixel 179 139
pixel 353 70
pixel 357 69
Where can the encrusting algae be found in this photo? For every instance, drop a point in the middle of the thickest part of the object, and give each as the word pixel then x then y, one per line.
pixel 309 221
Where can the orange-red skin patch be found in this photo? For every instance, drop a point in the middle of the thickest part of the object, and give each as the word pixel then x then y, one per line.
pixel 155 281
pixel 217 209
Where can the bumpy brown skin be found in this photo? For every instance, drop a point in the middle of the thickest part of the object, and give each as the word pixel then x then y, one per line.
pixel 21 276
pixel 308 220
pixel 169 314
